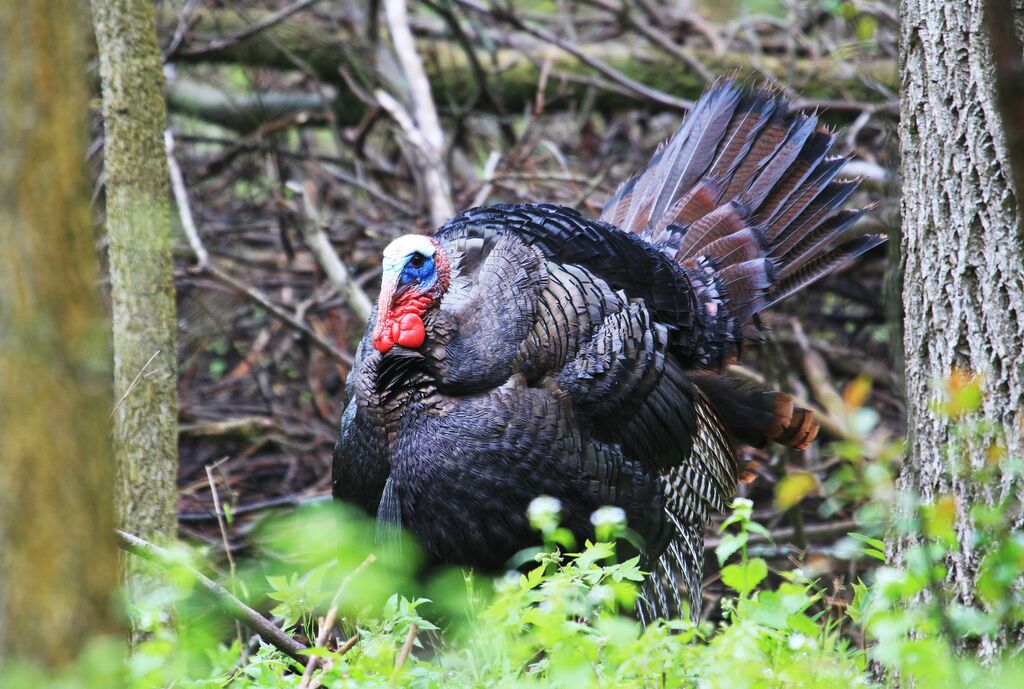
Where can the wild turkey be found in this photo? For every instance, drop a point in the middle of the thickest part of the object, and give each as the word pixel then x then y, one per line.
pixel 527 350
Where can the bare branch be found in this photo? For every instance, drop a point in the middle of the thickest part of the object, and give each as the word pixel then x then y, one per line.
pixel 328 622
pixel 288 319
pixel 205 266
pixel 229 603
pixel 430 138
pixel 188 222
pixel 337 272
pixel 645 92
pixel 263 24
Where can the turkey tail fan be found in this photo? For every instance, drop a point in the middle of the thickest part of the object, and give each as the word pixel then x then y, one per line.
pixel 643 204
pixel 743 197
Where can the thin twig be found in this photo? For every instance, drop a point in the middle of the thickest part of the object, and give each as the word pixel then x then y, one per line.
pixel 283 501
pixel 403 655
pixel 227 547
pixel 184 22
pixel 635 87
pixel 288 319
pixel 337 272
pixel 267 22
pixel 132 385
pixel 342 650
pixel 656 36
pixel 228 602
pixel 813 532
pixel 328 621
pixel 188 222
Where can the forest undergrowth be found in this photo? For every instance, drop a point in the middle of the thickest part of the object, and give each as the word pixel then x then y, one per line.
pixel 371 617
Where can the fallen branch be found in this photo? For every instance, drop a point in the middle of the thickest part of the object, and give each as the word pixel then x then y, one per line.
pixel 288 319
pixel 513 72
pixel 327 257
pixel 641 90
pixel 271 503
pixel 229 603
pixel 245 111
pixel 427 124
pixel 266 22
pixel 203 265
pixel 188 222
pixel 813 532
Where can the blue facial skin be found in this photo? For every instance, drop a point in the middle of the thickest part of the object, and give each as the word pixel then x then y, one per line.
pixel 425 275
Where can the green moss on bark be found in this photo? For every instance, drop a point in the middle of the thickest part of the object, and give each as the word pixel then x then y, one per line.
pixel 58 562
pixel 141 267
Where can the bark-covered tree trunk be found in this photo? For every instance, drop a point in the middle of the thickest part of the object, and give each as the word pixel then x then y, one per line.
pixel 963 248
pixel 58 562
pixel 141 268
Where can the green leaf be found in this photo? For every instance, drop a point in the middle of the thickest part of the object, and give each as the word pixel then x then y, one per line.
pixel 743 578
pixel 594 554
pixel 754 527
pixel 857 608
pixel 729 544
pixel 803 624
pixel 873 547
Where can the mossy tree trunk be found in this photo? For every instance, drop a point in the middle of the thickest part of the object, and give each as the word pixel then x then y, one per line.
pixel 58 561
pixel 963 249
pixel 141 268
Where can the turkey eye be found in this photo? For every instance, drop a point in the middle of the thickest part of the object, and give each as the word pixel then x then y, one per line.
pixel 417 260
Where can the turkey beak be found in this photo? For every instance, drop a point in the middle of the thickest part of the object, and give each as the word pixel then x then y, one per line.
pixel 382 339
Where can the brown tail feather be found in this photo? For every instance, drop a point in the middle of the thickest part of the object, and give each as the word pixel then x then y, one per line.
pixel 817 183
pixel 822 266
pixel 754 195
pixel 750 119
pixel 700 201
pixel 802 429
pixel 755 416
pixel 805 165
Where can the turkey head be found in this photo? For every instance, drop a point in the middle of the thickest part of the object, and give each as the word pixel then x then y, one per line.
pixel 415 276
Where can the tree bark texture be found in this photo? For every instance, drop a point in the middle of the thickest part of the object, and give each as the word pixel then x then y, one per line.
pixel 58 561
pixel 141 268
pixel 963 249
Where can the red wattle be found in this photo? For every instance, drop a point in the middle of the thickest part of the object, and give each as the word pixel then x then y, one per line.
pixel 402 324
pixel 411 331
pixel 383 341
